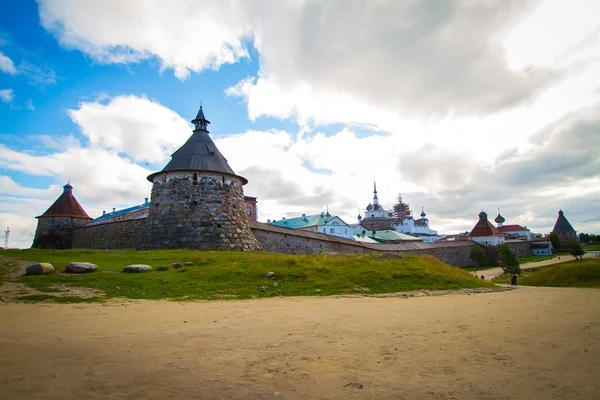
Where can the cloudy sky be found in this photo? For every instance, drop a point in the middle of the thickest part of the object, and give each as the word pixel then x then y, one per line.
pixel 460 105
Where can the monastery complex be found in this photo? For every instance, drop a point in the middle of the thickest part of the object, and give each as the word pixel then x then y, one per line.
pixel 197 201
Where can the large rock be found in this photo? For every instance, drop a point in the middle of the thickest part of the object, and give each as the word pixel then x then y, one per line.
pixel 39 269
pixel 80 267
pixel 176 265
pixel 137 268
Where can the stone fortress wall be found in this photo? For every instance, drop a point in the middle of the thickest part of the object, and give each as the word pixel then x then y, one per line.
pixel 135 234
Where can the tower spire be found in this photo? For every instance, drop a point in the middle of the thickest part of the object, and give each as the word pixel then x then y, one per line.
pixel 200 122
pixel 375 199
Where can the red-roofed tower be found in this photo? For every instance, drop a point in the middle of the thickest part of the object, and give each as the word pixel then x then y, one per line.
pixel 55 225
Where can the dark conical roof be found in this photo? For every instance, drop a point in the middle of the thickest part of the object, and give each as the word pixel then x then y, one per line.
pixel 198 153
pixel 562 224
pixel 66 206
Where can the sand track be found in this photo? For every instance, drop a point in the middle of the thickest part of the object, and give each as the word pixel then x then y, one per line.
pixel 525 343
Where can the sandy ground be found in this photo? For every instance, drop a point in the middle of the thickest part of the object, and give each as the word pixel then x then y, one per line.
pixel 527 343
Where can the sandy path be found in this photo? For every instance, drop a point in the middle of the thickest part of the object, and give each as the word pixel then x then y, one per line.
pixel 525 343
pixel 494 272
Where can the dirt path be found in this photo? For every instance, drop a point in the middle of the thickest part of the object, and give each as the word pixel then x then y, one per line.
pixel 526 343
pixel 494 272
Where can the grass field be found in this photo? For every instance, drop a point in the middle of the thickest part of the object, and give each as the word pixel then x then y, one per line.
pixel 528 259
pixel 242 275
pixel 585 273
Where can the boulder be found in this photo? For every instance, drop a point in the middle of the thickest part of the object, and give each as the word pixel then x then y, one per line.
pixel 39 269
pixel 176 265
pixel 80 267
pixel 270 274
pixel 137 268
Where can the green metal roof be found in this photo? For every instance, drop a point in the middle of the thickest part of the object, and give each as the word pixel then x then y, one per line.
pixel 305 222
pixel 387 235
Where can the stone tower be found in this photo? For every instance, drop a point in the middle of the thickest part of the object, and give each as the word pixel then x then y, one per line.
pixel 55 225
pixel 564 229
pixel 197 200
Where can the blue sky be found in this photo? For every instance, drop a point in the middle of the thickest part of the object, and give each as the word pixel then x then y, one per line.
pixel 459 108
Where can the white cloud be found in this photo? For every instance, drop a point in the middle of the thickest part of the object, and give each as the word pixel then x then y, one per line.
pixel 36 75
pixel 6 65
pixel 6 95
pixel 137 126
pixel 184 35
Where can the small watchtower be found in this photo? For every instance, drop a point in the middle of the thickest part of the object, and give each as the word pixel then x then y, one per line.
pixel 55 225
pixel 197 200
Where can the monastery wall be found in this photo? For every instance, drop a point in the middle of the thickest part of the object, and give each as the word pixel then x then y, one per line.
pixel 129 234
pixel 521 248
pixel 282 240
pixel 135 234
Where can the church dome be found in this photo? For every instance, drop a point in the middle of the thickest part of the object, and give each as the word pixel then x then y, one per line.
pixel 369 207
pixel 499 219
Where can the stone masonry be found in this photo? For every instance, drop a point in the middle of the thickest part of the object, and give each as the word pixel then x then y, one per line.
pixel 56 232
pixel 200 210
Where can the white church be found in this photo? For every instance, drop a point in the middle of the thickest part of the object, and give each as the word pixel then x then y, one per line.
pixel 378 218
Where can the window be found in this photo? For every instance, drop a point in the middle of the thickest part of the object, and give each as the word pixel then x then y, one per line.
pixel 331 230
pixel 346 230
pixel 248 211
pixel 195 177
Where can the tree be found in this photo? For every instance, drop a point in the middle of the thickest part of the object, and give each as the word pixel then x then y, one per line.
pixel 576 250
pixel 479 255
pixel 555 240
pixel 508 260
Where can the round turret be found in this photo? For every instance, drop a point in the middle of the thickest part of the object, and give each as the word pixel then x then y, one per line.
pixel 197 200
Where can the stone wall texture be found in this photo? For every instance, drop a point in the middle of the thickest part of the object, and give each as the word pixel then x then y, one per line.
pixel 521 248
pixel 56 232
pixel 198 210
pixel 129 234
pixel 135 234
pixel 283 240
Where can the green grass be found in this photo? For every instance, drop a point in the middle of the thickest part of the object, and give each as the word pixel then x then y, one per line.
pixel 591 247
pixel 6 267
pixel 585 273
pixel 59 299
pixel 529 259
pixel 241 275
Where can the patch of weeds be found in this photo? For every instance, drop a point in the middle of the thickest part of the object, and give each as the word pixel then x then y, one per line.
pixel 162 268
pixel 59 299
pixel 182 270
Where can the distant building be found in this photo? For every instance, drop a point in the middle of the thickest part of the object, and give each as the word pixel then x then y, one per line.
pixel 323 223
pixel 564 229
pixel 387 236
pixel 513 231
pixel 378 219
pixel 541 248
pixel 485 233
pixel 251 208
pixel 135 212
